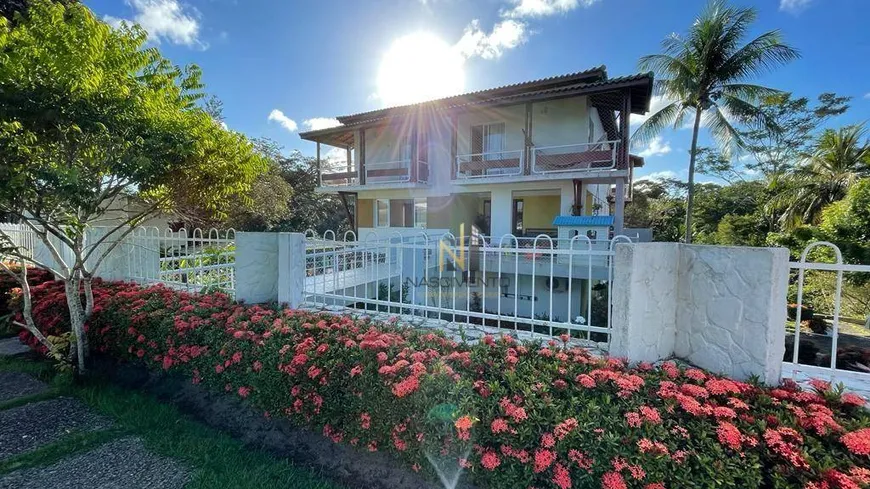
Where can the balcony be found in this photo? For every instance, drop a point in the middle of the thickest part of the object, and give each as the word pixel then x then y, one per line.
pixel 581 157
pixel 544 160
pixel 339 174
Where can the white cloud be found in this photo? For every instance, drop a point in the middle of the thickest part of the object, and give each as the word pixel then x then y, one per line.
pixel 318 123
pixel 279 117
pixel 506 34
pixel 794 6
pixel 656 147
pixel 659 175
pixel 867 95
pixel 163 20
pixel 542 8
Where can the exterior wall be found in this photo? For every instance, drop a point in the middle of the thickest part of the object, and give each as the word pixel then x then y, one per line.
pixel 384 144
pixel 721 308
pixel 560 122
pixel 731 309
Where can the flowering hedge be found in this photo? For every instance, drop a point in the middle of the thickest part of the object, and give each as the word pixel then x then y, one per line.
pixel 8 283
pixel 513 415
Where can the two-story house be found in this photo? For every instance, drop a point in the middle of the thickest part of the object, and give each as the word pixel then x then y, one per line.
pixel 545 157
pixel 503 160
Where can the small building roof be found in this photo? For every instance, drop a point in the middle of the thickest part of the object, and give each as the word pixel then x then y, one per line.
pixel 585 221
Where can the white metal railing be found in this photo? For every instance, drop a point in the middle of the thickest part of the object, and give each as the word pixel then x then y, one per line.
pixel 480 165
pixel 546 288
pixel 194 261
pixel 575 157
pixel 19 236
pixel 819 353
pixel 337 172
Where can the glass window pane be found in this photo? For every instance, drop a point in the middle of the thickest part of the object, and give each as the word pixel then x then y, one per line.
pixel 420 213
pixel 383 217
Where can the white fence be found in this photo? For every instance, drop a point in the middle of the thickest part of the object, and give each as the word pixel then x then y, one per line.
pixel 193 260
pixel 19 236
pixel 541 285
pixel 823 342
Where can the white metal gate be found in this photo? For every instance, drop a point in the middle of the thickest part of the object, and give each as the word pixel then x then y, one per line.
pixel 540 285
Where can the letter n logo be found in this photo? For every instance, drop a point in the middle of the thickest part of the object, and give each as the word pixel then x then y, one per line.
pixel 445 249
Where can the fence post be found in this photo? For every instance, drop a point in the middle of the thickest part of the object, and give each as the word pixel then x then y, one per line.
pixel 644 301
pixel 257 267
pixel 291 269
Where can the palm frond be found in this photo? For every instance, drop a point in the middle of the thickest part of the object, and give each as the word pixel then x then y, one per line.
pixel 751 93
pixel 757 57
pixel 723 131
pixel 671 114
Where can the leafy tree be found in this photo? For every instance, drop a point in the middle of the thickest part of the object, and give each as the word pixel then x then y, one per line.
pixel 778 147
pixel 309 209
pixel 87 117
pixel 839 159
pixel 705 73
pixel 657 205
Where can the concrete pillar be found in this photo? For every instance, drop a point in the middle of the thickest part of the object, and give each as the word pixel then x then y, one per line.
pixel 502 212
pixel 566 198
pixel 720 308
pixel 291 269
pixel 619 208
pixel 644 305
pixel 257 267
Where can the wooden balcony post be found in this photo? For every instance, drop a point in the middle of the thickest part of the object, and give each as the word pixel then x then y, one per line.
pixel 361 166
pixel 528 149
pixel 415 143
pixel 454 142
pixel 317 165
pixel 625 123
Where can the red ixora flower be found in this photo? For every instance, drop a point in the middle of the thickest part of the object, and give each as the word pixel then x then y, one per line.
pixel 561 477
pixel 490 460
pixel 858 442
pixel 612 480
pixel 244 391
pixel 543 460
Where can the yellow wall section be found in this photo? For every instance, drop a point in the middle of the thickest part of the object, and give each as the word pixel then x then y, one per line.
pixel 450 212
pixel 365 213
pixel 540 210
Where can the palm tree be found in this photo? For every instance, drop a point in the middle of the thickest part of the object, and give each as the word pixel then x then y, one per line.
pixel 705 73
pixel 839 159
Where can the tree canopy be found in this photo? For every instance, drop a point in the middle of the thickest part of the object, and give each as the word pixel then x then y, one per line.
pixel 88 116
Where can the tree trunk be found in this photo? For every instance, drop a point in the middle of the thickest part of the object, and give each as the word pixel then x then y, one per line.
pixel 77 322
pixel 692 156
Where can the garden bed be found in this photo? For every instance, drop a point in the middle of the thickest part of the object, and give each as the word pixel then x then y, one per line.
pixel 510 414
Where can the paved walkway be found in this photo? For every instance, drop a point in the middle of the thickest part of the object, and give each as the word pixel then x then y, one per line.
pixel 34 427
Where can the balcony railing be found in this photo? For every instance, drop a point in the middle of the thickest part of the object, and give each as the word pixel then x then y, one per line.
pixel 338 174
pixel 575 157
pixel 480 165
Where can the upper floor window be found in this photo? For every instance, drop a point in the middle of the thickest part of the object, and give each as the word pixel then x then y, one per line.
pixel 420 209
pixel 488 140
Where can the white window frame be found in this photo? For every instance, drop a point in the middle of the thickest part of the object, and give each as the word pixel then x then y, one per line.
pixel 425 206
pixel 378 223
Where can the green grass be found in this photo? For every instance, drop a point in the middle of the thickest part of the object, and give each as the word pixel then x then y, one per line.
pixel 216 459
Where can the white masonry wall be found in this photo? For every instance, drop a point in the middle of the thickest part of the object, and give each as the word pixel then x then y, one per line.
pixel 720 308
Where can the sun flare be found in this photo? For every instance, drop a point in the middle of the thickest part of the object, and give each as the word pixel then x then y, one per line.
pixel 418 67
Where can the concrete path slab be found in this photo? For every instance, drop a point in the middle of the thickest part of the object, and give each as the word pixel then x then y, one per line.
pixel 123 463
pixel 17 384
pixel 33 425
pixel 11 347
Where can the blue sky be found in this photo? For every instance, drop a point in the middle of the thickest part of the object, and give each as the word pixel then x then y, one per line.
pixel 281 66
